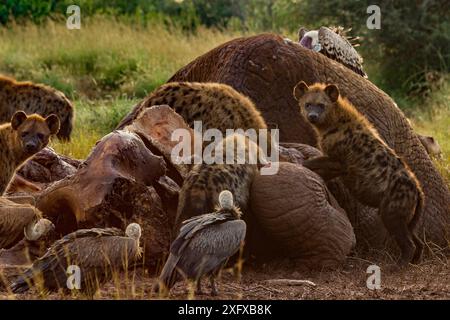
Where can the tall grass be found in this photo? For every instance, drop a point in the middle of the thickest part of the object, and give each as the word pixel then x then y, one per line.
pixel 105 57
pixel 433 118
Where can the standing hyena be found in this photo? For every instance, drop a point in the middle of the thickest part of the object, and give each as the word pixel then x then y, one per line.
pixel 20 140
pixel 35 98
pixel 369 168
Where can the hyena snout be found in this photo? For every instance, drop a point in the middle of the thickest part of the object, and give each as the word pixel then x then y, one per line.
pixel 313 117
pixel 32 146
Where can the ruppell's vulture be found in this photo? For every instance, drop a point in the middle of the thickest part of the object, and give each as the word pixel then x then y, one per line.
pixel 204 245
pixel 98 253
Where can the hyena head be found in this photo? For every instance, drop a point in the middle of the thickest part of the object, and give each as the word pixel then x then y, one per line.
pixel 33 132
pixel 316 102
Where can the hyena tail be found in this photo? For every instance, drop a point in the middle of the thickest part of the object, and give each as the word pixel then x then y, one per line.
pixel 420 205
pixel 66 128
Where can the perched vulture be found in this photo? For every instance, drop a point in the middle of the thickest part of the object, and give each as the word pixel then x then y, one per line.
pixel 204 245
pixel 18 221
pixel 333 44
pixel 99 253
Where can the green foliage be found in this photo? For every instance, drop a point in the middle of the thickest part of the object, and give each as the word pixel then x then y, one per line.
pixel 409 54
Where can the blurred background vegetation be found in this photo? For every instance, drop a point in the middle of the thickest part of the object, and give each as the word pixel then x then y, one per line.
pixel 126 48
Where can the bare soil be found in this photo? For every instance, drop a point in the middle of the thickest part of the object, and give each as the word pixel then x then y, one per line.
pixel 429 280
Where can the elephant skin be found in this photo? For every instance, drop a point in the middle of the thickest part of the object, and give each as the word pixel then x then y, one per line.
pixel 310 227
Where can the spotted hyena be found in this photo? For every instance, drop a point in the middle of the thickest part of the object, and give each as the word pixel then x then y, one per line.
pixel 35 98
pixel 20 140
pixel 369 168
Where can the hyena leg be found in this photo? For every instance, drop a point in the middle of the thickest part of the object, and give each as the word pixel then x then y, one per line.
pixel 325 167
pixel 396 222
pixel 419 249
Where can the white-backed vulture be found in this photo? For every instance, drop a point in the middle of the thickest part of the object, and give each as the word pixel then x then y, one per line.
pixel 334 44
pixel 204 245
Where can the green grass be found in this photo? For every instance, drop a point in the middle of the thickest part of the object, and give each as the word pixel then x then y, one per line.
pixel 432 118
pixel 104 58
pixel 93 120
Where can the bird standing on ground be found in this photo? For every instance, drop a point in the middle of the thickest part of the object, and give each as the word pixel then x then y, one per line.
pixel 99 253
pixel 204 245
pixel 334 44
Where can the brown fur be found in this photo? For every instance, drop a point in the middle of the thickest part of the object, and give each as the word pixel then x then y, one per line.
pixel 35 98
pixel 20 140
pixel 201 188
pixel 217 105
pixel 369 168
pixel 20 184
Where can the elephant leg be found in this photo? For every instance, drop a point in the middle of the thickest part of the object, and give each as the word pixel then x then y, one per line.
pixel 395 221
pixel 325 167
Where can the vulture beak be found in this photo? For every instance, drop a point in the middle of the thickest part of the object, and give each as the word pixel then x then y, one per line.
pixel 317 47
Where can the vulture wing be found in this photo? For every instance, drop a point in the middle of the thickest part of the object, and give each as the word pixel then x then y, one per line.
pixel 192 226
pixel 13 219
pixel 338 48
pixel 210 248
pixel 96 251
pixel 189 229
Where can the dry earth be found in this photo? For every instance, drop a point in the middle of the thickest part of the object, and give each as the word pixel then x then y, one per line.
pixel 429 280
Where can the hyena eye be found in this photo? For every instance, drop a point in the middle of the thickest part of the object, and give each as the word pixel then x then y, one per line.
pixel 24 134
pixel 307 105
pixel 40 136
pixel 321 105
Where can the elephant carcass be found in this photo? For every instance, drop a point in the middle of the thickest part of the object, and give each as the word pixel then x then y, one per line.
pixel 266 68
pixel 112 188
pixel 309 225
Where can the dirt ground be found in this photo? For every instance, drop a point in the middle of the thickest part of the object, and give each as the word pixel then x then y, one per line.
pixel 429 280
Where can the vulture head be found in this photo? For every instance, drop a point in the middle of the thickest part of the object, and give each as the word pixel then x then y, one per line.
pixel 309 39
pixel 226 203
pixel 36 230
pixel 134 231
pixel 226 199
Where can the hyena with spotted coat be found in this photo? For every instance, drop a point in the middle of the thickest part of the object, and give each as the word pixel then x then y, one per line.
pixel 216 105
pixel 20 140
pixel 369 168
pixel 35 98
pixel 202 186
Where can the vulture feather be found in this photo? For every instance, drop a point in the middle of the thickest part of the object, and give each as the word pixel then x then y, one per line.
pixel 99 253
pixel 334 44
pixel 204 244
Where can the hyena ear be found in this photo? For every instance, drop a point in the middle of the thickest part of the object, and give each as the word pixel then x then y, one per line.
pixel 52 122
pixel 300 89
pixel 332 92
pixel 17 119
